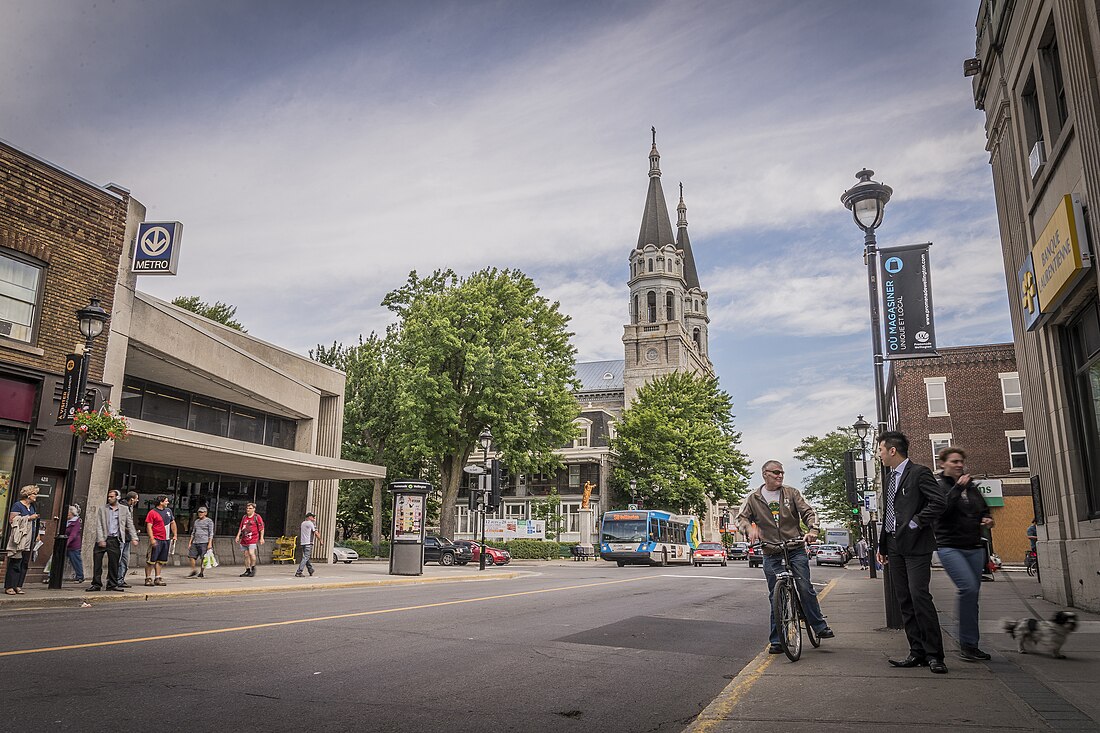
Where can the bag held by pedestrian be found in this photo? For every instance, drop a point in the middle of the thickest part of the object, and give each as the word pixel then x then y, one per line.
pixel 208 560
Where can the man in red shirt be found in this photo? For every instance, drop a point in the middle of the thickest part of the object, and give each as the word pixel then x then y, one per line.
pixel 250 534
pixel 160 523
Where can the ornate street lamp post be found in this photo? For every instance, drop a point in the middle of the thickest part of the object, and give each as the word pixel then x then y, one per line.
pixel 633 491
pixel 862 427
pixel 486 439
pixel 90 320
pixel 867 201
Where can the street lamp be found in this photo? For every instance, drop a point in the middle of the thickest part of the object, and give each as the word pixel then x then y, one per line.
pixel 486 439
pixel 862 428
pixel 633 491
pixel 867 201
pixel 90 321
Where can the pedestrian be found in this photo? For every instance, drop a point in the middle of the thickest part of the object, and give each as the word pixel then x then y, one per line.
pixel 1032 535
pixel 112 523
pixel 862 551
pixel 202 535
pixel 249 535
pixel 959 539
pixel 128 541
pixel 74 535
pixel 775 513
pixel 23 523
pixel 160 524
pixel 914 500
pixel 308 535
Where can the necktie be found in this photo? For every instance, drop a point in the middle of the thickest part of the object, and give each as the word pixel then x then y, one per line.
pixel 891 519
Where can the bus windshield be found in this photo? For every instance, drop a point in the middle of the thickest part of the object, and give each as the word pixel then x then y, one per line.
pixel 625 530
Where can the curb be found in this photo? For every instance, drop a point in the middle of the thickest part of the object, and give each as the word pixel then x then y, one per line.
pixel 104 597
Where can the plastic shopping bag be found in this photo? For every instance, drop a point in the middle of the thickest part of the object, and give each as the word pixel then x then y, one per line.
pixel 208 560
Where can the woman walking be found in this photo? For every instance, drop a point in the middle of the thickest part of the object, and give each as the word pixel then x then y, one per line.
pixel 74 531
pixel 23 519
pixel 959 537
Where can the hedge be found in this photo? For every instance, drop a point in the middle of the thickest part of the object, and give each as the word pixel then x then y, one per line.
pixel 365 549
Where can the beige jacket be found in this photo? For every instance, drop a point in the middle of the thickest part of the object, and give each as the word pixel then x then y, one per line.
pixel 21 535
pixel 794 511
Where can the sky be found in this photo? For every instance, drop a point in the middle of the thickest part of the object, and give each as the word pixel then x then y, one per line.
pixel 318 152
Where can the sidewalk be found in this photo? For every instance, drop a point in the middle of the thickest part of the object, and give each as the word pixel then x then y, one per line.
pixel 848 684
pixel 226 580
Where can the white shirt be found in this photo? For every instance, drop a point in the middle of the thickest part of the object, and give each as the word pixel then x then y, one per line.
pixel 308 528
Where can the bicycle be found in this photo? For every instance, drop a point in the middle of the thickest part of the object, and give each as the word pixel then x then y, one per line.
pixel 1031 563
pixel 787 605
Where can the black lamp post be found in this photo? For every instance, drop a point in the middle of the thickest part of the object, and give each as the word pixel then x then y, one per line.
pixel 862 428
pixel 867 200
pixel 633 491
pixel 90 320
pixel 486 439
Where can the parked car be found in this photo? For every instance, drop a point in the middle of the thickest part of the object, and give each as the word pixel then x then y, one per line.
pixel 344 554
pixel 709 552
pixel 831 554
pixel 738 551
pixel 756 557
pixel 493 555
pixel 811 550
pixel 444 552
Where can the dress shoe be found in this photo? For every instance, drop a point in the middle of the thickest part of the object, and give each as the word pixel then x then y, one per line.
pixel 909 661
pixel 973 654
pixel 93 588
pixel 123 585
pixel 826 633
pixel 937 666
pixel 775 649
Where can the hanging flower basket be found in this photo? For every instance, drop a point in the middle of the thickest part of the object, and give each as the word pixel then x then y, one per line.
pixel 100 425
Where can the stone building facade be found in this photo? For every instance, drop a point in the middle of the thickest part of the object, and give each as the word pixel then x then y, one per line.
pixel 1034 77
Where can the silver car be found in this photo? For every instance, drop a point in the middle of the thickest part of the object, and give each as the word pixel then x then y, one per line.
pixel 344 554
pixel 831 554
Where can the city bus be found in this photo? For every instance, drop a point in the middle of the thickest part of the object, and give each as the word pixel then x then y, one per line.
pixel 647 537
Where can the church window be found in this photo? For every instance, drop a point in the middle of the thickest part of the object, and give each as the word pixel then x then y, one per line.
pixel 651 264
pixel 634 313
pixel 696 306
pixel 651 306
pixel 670 308
pixel 695 338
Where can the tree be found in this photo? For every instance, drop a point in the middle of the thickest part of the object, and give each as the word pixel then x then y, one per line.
pixel 481 351
pixel 677 441
pixel 221 312
pixel 549 510
pixel 823 461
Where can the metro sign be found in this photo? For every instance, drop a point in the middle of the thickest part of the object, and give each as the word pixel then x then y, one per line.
pixel 157 248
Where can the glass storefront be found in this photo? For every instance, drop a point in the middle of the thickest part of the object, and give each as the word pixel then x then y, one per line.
pixel 225 496
pixel 1084 338
pixel 9 448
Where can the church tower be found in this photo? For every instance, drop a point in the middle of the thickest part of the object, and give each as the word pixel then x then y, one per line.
pixel 668 308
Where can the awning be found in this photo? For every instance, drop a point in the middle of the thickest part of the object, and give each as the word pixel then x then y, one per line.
pixel 154 443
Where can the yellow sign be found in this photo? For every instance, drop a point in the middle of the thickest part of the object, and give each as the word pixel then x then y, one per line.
pixel 1060 254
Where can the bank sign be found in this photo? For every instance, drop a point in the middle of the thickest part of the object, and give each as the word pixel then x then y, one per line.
pixel 1057 262
pixel 907 322
pixel 157 249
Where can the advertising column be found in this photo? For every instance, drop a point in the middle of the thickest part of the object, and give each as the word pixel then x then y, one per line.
pixel 410 502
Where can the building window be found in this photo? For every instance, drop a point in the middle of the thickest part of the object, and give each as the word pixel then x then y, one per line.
pixel 1084 337
pixel 936 387
pixel 1010 392
pixel 651 306
pixel 939 442
pixel 574 475
pixel 1032 121
pixel 20 290
pixel 584 433
pixel 651 264
pixel 1054 85
pixel 634 313
pixel 670 308
pixel 1017 450
pixel 515 511
pixel 570 514
pixel 612 430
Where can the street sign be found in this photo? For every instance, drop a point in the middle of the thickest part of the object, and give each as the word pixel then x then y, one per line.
pixel 632 507
pixel 474 469
pixel 870 499
pixel 157 248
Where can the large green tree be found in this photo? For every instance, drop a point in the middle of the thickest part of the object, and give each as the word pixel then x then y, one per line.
pixel 677 441
pixel 221 312
pixel 823 463
pixel 481 351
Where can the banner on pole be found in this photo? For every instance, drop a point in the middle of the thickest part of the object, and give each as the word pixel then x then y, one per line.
pixel 907 318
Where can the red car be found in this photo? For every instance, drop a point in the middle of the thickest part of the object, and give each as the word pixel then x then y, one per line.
pixel 493 556
pixel 709 552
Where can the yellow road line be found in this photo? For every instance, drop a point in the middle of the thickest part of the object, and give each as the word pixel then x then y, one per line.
pixel 720 708
pixel 271 624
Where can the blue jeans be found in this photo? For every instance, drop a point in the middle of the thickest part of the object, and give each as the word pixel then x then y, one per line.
pixel 800 565
pixel 307 553
pixel 965 569
pixel 123 562
pixel 76 563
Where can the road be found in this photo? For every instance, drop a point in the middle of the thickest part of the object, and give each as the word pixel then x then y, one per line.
pixel 576 647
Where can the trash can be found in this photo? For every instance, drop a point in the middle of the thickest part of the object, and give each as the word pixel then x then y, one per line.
pixel 410 505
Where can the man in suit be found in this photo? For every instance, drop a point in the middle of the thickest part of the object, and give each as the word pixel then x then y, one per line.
pixel 913 501
pixel 113 524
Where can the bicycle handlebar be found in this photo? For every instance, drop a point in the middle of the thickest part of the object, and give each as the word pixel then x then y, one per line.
pixel 793 541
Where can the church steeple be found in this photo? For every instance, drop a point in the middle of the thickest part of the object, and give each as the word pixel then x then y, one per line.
pixel 691 275
pixel 656 226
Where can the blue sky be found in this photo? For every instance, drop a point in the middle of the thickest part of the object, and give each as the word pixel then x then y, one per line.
pixel 317 152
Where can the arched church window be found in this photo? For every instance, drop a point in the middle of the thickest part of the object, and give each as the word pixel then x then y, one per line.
pixel 696 305
pixel 695 338
pixel 670 307
pixel 634 312
pixel 651 306
pixel 651 264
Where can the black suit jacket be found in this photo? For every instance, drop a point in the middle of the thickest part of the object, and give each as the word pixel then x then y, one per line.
pixel 920 499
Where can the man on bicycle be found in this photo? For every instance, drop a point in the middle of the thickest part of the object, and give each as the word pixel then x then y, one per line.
pixel 775 513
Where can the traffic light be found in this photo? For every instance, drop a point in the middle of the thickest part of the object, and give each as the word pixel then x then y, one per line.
pixel 472 503
pixel 494 486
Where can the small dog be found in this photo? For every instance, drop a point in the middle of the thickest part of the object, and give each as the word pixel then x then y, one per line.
pixel 1036 635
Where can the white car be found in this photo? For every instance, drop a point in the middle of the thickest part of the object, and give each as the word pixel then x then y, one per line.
pixel 344 554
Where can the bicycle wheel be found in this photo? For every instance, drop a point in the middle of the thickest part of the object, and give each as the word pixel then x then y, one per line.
pixel 785 609
pixel 815 640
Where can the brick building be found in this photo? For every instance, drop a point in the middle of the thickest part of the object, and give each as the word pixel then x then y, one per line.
pixel 969 396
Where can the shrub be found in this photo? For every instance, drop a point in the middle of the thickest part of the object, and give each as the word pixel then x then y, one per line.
pixel 364 547
pixel 533 549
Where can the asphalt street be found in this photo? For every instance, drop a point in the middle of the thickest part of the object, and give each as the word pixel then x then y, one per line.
pixel 585 646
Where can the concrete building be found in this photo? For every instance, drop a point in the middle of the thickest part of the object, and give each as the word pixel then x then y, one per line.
pixel 1034 76
pixel 969 397
pixel 218 417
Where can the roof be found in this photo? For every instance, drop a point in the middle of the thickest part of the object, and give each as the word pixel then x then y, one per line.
pixel 691 275
pixel 593 375
pixel 656 226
